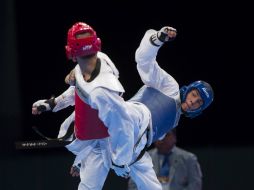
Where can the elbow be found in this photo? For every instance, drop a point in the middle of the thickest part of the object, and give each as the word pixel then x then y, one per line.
pixel 139 57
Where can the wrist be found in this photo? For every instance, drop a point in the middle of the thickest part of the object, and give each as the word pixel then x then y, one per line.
pixel 118 166
pixel 155 40
pixel 51 103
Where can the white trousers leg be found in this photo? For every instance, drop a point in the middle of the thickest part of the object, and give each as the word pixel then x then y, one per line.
pixel 143 175
pixel 93 172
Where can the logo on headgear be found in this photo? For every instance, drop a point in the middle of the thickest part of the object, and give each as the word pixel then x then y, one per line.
pixel 205 91
pixel 87 47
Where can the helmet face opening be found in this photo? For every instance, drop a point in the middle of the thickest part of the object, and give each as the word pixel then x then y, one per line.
pixel 83 35
pixel 205 92
pixel 82 41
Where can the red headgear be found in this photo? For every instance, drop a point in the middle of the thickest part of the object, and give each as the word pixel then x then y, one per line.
pixel 82 46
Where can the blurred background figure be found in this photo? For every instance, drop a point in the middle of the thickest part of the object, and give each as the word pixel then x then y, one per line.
pixel 176 169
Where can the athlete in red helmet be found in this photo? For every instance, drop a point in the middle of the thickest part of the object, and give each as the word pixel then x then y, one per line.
pixel 82 41
pixel 95 73
pixel 104 133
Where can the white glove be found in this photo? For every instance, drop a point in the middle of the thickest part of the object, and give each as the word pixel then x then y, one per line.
pixel 122 171
pixel 75 170
pixel 43 105
pixel 166 33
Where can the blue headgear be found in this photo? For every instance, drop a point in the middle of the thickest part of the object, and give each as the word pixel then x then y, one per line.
pixel 206 93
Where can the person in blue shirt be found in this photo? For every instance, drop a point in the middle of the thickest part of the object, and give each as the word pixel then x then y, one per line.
pixel 176 168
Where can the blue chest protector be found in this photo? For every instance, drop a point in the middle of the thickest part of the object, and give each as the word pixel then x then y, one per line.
pixel 163 110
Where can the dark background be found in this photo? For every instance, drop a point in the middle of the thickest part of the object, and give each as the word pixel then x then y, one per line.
pixel 211 46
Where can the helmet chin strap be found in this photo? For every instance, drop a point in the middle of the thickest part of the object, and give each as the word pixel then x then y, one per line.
pixel 191 114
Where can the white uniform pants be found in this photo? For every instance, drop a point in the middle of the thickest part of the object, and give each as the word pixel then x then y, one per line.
pixel 143 175
pixel 93 172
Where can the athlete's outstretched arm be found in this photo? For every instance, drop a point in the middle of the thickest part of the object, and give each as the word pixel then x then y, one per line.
pixel 55 104
pixel 149 70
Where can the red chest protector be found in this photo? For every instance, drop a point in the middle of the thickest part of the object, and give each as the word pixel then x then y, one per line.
pixel 87 123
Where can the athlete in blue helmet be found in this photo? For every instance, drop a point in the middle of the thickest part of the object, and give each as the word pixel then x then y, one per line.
pixel 161 93
pixel 205 95
pixel 163 99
